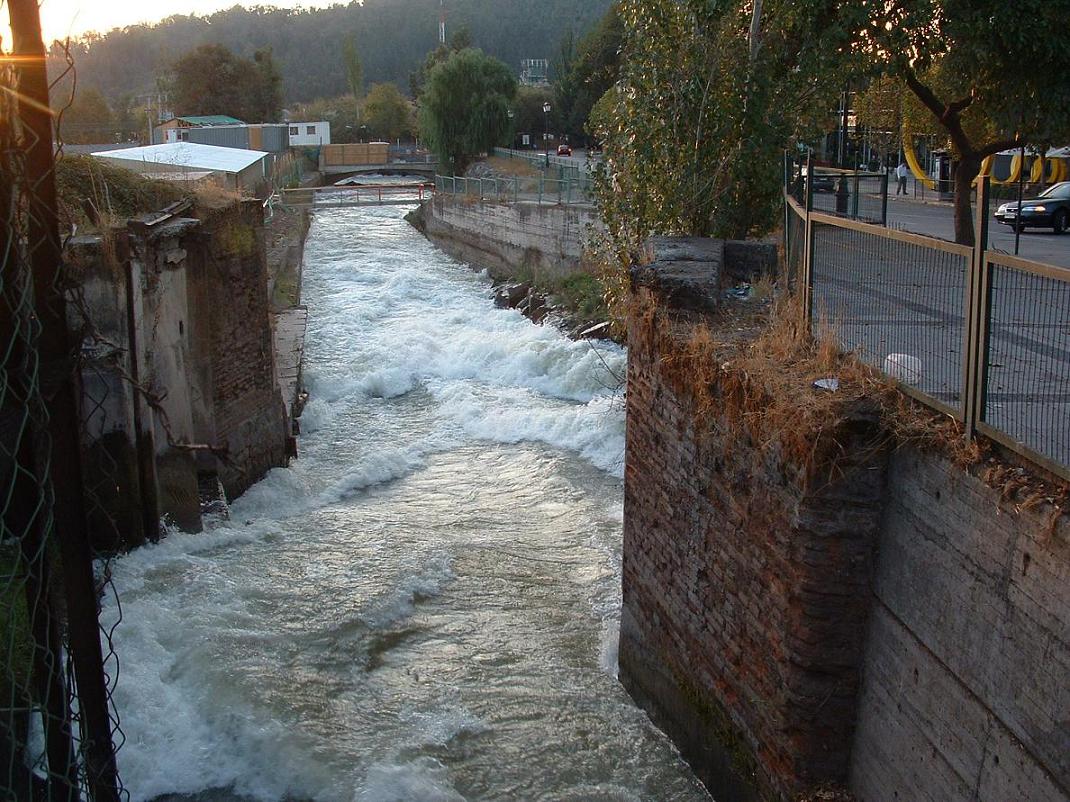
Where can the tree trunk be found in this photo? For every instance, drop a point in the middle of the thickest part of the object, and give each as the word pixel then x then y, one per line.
pixel 968 169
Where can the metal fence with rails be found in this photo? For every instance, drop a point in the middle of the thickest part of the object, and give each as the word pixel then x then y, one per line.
pixel 979 335
pixel 58 727
pixel 564 166
pixel 530 189
pixel 854 194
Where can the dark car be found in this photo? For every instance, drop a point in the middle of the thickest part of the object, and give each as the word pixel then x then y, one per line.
pixel 564 150
pixel 823 182
pixel 1051 208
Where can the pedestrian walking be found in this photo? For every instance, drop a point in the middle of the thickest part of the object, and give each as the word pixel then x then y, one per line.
pixel 901 173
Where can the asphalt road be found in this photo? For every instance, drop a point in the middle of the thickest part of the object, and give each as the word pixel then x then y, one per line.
pixel 937 220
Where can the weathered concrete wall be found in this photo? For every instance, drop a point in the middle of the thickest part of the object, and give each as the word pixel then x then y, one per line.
pixel 890 625
pixel 161 261
pixel 111 454
pixel 967 672
pixel 512 241
pixel 201 345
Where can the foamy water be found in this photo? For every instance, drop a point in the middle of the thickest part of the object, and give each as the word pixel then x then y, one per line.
pixel 424 607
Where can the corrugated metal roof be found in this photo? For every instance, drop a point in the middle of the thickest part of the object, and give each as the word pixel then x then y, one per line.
pixel 211 119
pixel 189 155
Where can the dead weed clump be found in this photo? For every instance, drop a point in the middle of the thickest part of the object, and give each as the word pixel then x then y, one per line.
pixel 753 382
pixel 756 380
pixel 211 196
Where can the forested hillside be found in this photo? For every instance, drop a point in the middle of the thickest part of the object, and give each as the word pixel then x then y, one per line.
pixel 392 37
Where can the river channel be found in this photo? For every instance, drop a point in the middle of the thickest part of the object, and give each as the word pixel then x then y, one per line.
pixel 424 606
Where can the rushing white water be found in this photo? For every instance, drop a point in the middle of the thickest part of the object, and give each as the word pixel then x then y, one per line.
pixel 424 607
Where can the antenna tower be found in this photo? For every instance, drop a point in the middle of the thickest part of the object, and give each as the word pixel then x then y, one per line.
pixel 442 22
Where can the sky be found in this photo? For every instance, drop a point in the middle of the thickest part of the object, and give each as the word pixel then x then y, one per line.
pixel 62 18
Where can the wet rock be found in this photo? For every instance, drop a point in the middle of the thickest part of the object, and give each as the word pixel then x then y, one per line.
pixel 510 296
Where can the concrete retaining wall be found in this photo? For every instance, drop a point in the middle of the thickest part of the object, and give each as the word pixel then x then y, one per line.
pixel 512 241
pixel 966 693
pixel 891 626
pixel 201 344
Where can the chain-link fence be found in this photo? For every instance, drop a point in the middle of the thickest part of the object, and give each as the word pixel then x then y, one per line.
pixel 58 729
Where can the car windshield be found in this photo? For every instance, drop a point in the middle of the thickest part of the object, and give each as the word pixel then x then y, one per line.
pixel 1057 191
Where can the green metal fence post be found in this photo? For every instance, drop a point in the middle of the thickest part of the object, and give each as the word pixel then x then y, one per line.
pixel 977 312
pixel 854 196
pixel 808 243
pixel 884 199
pixel 542 186
pixel 787 210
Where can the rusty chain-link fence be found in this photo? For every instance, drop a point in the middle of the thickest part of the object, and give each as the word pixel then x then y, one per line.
pixel 58 728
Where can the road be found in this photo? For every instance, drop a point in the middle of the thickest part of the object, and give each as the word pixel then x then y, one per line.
pixel 937 220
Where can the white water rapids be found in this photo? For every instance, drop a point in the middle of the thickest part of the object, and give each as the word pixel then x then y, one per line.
pixel 424 606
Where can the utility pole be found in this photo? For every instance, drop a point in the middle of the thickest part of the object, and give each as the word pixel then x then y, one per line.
pixel 442 22
pixel 843 124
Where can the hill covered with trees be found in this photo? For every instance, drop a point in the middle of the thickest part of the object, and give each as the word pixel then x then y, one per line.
pixel 392 38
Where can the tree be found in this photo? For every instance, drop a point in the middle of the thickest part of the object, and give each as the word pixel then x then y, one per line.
pixel 212 80
pixel 563 70
pixel 990 73
pixel 265 89
pixel 343 113
pixel 584 72
pixel 528 116
pixel 464 111
pixel 696 124
pixel 387 112
pixel 461 39
pixel 354 67
pixel 88 119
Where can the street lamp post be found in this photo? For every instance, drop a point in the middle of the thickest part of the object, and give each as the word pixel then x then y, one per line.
pixel 546 131
pixel 512 132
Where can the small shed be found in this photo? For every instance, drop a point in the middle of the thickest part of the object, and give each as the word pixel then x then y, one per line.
pixel 310 134
pixel 234 168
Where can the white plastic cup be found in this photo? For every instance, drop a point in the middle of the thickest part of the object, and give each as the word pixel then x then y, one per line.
pixel 904 367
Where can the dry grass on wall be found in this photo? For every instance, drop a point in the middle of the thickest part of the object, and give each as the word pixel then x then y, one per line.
pixel 750 375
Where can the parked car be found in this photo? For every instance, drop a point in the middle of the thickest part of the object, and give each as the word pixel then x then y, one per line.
pixel 823 182
pixel 564 150
pixel 1050 208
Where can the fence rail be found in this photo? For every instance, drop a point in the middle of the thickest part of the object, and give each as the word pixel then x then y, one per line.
pixel 566 165
pixel 533 189
pixel 979 335
pixel 854 194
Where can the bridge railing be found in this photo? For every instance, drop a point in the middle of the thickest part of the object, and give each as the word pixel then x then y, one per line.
pixel 518 189
pixel 979 335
